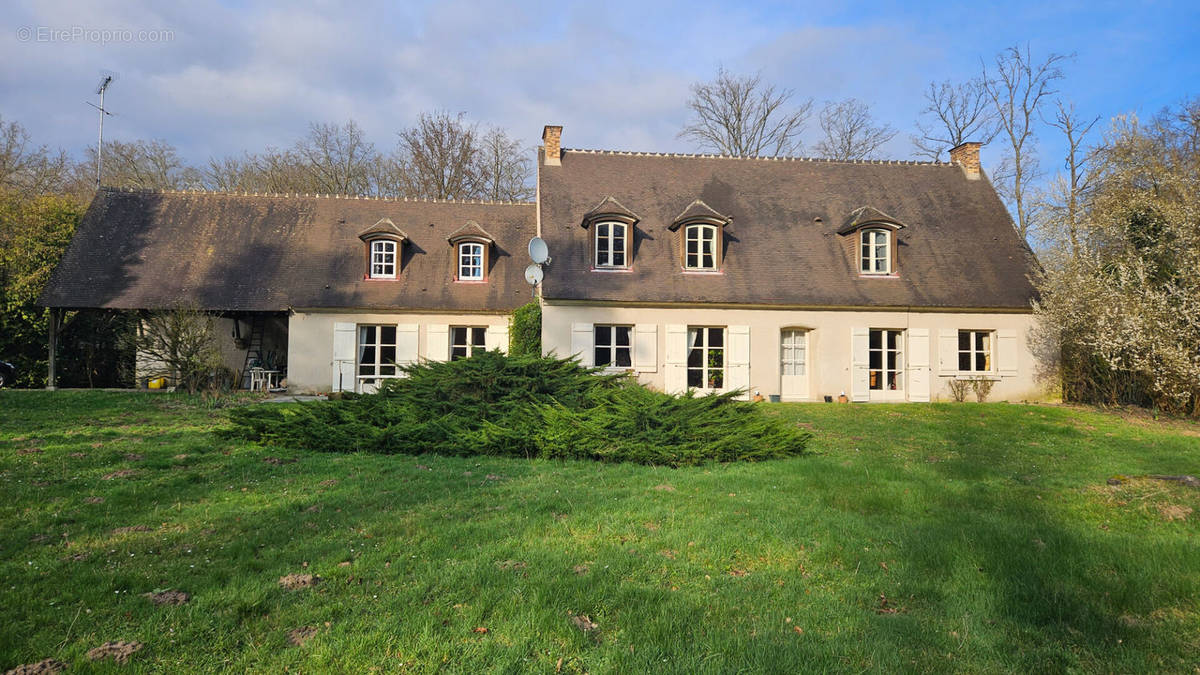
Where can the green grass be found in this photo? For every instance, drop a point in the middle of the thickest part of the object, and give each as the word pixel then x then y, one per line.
pixel 990 528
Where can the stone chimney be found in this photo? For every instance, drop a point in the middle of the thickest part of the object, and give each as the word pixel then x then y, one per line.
pixel 552 143
pixel 966 155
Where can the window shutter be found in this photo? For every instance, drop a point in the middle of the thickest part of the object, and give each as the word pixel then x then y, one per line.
pixel 948 352
pixel 406 343
pixel 645 347
pixel 739 360
pixel 918 364
pixel 497 338
pixel 676 361
pixel 437 342
pixel 582 343
pixel 345 341
pixel 859 360
pixel 1006 352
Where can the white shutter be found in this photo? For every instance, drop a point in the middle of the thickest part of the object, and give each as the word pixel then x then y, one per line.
pixel 345 341
pixel 645 347
pixel 406 343
pixel 581 343
pixel 948 352
pixel 738 373
pixel 859 360
pixel 676 361
pixel 1006 352
pixel 918 364
pixel 497 338
pixel 437 342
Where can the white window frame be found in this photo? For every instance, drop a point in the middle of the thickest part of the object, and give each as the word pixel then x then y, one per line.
pixel 883 370
pixel 869 247
pixel 606 244
pixel 703 234
pixel 380 369
pixel 793 352
pixel 612 346
pixel 383 258
pixel 706 349
pixel 474 341
pixel 973 351
pixel 471 261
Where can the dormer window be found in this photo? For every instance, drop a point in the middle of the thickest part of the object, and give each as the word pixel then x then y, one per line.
pixel 876 256
pixel 610 244
pixel 470 261
pixel 871 237
pixel 701 243
pixel 701 232
pixel 612 234
pixel 384 243
pixel 383 259
pixel 472 248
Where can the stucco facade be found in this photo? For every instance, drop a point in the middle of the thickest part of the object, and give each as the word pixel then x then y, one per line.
pixel 929 349
pixel 324 346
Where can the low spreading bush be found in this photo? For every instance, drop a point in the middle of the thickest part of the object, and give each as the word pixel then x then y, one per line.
pixel 528 406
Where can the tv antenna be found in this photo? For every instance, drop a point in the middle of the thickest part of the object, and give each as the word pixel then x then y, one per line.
pixel 107 80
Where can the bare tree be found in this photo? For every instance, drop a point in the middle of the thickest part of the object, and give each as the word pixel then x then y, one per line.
pixel 953 115
pixel 1017 88
pixel 851 132
pixel 28 169
pixel 149 165
pixel 337 158
pixel 742 116
pixel 180 345
pixel 504 167
pixel 233 174
pixel 1069 190
pixel 441 157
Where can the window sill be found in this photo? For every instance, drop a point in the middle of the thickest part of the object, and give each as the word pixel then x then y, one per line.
pixel 470 281
pixel 612 269
pixel 969 375
pixel 878 275
pixel 702 272
pixel 368 278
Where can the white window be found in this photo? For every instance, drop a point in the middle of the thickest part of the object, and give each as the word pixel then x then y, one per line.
pixel 794 346
pixel 383 259
pixel 470 261
pixel 876 252
pixel 975 351
pixel 376 353
pixel 885 355
pixel 700 252
pixel 610 244
pixel 706 357
pixel 467 341
pixel 612 346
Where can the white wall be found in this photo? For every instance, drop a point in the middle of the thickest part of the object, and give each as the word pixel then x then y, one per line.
pixel 311 341
pixel 829 343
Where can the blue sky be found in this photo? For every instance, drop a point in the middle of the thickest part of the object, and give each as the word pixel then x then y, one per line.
pixel 246 75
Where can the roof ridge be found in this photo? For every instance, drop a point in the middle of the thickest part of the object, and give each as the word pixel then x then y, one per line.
pixel 772 158
pixel 314 195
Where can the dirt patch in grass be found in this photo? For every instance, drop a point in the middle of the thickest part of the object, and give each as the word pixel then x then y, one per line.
pixel 1171 512
pixel 298 636
pixel 29 451
pixel 41 538
pixel 580 569
pixel 664 488
pixel 279 461
pixel 123 473
pixel 43 667
pixel 512 565
pixel 131 529
pixel 134 457
pixel 583 622
pixel 118 651
pixel 167 597
pixel 294 582
pixel 93 500
pixel 328 483
pixel 78 455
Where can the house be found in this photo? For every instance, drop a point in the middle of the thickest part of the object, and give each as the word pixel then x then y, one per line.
pixel 793 277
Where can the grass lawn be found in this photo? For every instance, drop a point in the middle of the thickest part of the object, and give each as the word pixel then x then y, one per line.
pixel 945 537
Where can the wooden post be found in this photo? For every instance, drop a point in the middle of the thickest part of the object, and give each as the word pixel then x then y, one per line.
pixel 52 375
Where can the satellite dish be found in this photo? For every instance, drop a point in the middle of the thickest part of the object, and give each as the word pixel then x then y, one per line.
pixel 538 250
pixel 533 273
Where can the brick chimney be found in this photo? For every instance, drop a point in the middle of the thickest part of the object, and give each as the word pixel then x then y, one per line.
pixel 552 142
pixel 966 155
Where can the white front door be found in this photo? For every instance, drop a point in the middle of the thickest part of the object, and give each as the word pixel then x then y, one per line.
pixel 885 364
pixel 793 364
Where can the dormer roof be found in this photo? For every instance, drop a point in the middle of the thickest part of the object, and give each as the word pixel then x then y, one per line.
pixel 383 228
pixel 609 209
pixel 471 230
pixel 868 215
pixel 699 212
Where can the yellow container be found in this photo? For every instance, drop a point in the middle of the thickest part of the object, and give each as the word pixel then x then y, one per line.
pixel 157 383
